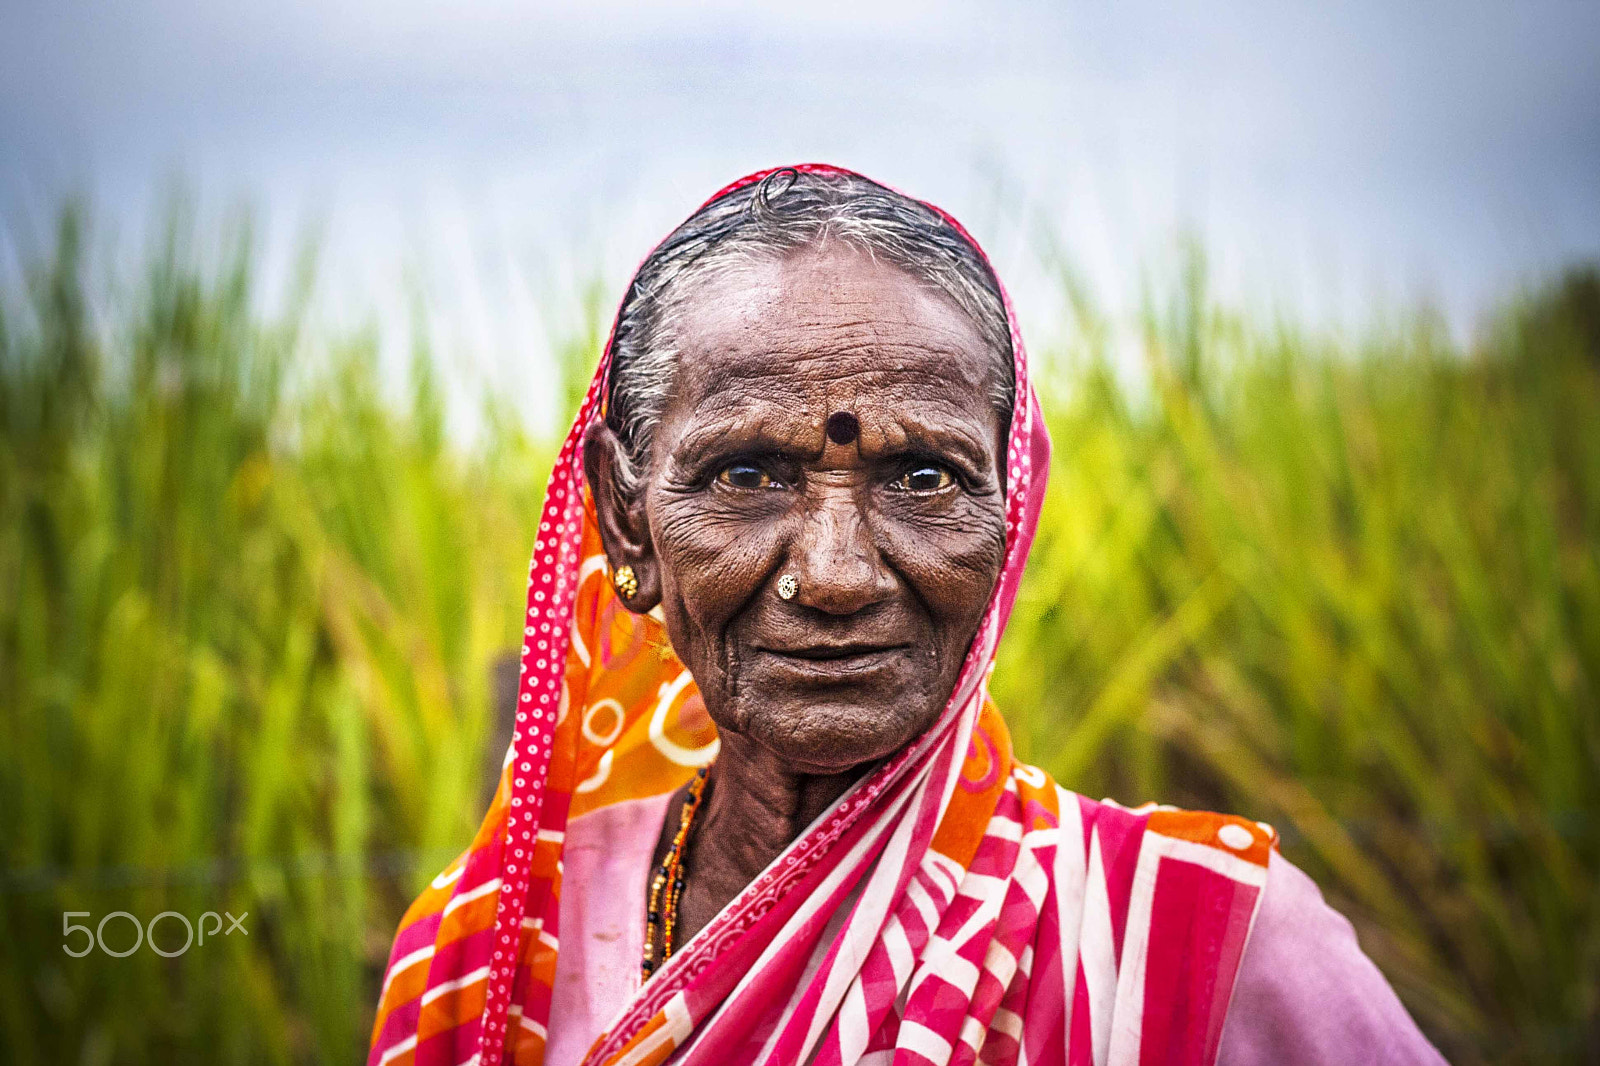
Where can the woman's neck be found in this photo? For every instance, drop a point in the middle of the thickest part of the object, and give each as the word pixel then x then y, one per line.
pixel 755 806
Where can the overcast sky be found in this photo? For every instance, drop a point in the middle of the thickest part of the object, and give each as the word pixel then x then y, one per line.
pixel 1333 161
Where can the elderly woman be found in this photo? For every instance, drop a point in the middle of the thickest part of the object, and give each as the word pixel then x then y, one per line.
pixel 758 806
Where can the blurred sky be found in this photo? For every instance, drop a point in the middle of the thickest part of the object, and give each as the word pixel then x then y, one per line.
pixel 1338 161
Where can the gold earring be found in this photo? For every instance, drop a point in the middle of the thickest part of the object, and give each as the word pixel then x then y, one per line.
pixel 627 585
pixel 787 587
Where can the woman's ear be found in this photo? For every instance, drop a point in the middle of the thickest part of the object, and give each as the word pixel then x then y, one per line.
pixel 624 523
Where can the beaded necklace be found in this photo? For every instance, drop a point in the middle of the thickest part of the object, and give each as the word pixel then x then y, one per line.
pixel 666 889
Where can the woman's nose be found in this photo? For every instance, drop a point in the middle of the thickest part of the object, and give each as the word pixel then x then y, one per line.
pixel 836 561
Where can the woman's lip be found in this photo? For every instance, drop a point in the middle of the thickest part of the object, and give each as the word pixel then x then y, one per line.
pixel 840 666
pixel 833 652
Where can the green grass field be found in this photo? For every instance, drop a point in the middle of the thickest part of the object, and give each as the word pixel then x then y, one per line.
pixel 250 614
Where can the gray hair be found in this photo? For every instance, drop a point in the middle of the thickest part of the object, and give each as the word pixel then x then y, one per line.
pixel 785 211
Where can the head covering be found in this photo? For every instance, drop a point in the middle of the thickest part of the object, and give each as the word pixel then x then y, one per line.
pixel 953 904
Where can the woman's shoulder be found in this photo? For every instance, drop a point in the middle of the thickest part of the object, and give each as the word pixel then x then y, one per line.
pixel 1300 956
pixel 1307 993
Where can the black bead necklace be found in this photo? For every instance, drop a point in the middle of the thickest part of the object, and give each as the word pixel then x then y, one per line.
pixel 666 889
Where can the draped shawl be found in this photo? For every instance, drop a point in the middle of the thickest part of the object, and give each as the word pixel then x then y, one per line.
pixel 954 906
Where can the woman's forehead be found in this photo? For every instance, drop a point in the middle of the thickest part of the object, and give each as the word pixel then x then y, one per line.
pixel 768 353
pixel 835 285
pixel 896 392
pixel 834 320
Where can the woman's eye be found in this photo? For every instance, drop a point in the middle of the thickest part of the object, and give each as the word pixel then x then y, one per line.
pixel 923 479
pixel 746 476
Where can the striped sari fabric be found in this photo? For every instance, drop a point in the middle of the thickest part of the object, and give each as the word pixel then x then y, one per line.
pixel 955 906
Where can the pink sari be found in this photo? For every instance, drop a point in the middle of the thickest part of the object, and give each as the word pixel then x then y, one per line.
pixel 955 906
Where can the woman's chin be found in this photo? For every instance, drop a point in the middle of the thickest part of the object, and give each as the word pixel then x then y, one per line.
pixel 830 737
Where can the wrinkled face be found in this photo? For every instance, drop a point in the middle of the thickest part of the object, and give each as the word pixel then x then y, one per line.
pixel 831 421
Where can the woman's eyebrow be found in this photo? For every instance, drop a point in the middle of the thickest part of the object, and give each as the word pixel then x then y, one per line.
pixel 959 440
pixel 742 429
pixel 745 429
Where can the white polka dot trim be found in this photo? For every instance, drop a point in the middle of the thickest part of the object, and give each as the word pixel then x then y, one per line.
pixel 1236 837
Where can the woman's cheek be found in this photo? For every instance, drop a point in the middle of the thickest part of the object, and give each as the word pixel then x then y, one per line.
pixel 954 559
pixel 713 557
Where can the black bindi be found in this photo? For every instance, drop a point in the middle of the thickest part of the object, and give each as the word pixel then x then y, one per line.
pixel 843 427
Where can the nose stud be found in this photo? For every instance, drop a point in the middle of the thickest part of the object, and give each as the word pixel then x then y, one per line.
pixel 787 587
